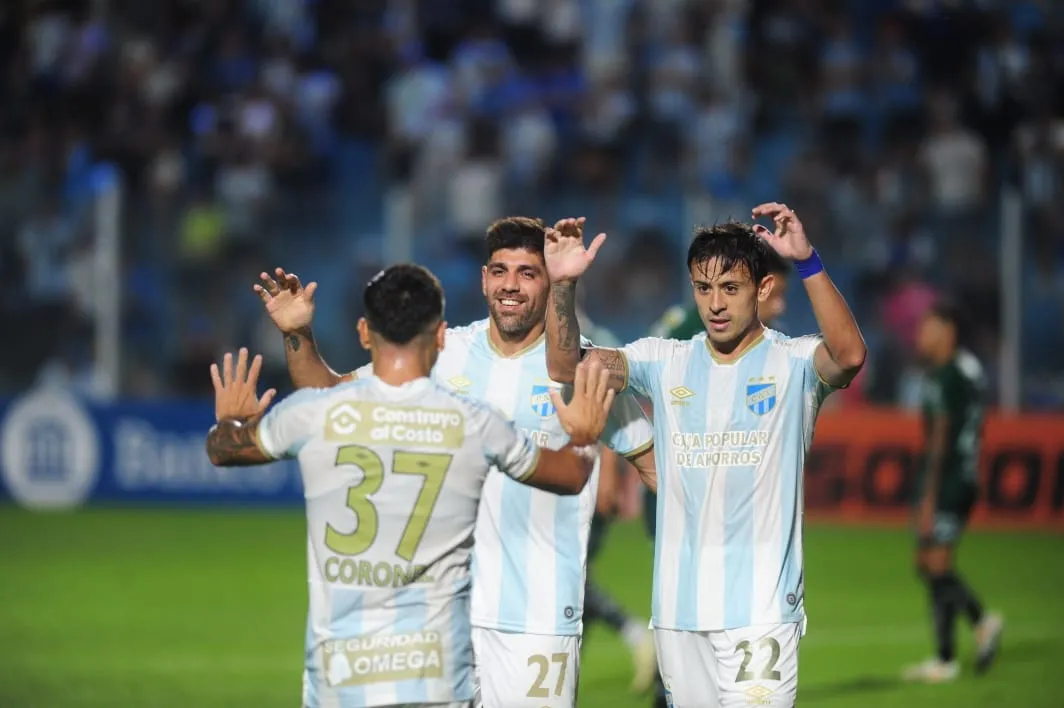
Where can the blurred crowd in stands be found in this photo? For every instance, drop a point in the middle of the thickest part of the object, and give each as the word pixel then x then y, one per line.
pixel 329 136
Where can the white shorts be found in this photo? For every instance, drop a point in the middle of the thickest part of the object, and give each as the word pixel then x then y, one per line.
pixel 750 666
pixel 525 670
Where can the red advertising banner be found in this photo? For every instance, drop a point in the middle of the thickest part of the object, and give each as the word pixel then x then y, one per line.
pixel 864 463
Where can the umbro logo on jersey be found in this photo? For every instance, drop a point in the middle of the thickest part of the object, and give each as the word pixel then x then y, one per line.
pixel 459 383
pixel 344 419
pixel 680 394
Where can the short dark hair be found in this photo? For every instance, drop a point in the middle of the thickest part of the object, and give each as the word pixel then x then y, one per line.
pixel 951 311
pixel 516 232
pixel 402 302
pixel 778 265
pixel 733 244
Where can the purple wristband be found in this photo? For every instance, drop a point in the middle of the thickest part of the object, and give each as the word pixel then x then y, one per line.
pixel 810 266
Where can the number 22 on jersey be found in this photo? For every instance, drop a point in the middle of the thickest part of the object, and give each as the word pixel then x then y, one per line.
pixel 431 466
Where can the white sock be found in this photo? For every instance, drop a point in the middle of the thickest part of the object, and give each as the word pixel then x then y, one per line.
pixel 635 631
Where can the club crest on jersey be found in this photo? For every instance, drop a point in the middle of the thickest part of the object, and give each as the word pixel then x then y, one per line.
pixel 540 401
pixel 761 395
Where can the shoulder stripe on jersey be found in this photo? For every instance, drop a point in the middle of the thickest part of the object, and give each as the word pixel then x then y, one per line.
pixel 532 467
pixel 638 451
pixel 258 442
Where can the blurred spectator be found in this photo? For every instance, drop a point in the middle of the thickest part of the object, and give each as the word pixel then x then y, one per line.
pixel 256 133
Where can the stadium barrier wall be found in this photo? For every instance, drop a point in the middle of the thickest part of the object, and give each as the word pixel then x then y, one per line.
pixel 59 451
pixel 864 463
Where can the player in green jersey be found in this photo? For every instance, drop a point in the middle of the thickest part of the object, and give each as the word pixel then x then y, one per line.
pixel 947 488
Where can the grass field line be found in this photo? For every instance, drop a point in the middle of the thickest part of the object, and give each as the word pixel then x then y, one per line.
pixel 183 663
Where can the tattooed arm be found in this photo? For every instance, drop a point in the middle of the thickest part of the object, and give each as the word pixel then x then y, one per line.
pixel 305 363
pixel 564 350
pixel 235 443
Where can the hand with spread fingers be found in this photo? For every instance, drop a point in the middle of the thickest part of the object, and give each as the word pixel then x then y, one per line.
pixel 788 239
pixel 289 304
pixel 235 396
pixel 564 251
pixel 584 417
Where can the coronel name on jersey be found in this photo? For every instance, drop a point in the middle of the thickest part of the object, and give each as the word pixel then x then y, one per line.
pixel 394 657
pixel 374 423
pixel 373 574
pixel 732 448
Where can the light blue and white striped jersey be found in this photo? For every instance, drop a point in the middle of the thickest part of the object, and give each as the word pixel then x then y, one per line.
pixel 531 546
pixel 392 478
pixel 731 440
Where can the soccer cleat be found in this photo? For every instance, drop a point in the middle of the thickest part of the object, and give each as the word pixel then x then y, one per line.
pixel 987 641
pixel 932 671
pixel 645 661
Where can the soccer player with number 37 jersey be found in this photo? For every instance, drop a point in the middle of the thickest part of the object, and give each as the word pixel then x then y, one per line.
pixel 530 557
pixel 734 411
pixel 393 467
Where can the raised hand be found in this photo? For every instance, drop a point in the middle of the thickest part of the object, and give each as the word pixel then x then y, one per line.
pixel 584 418
pixel 788 239
pixel 564 251
pixel 289 304
pixel 235 397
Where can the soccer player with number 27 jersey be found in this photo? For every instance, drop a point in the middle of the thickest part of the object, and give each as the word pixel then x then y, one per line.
pixel 393 467
pixel 530 556
pixel 734 411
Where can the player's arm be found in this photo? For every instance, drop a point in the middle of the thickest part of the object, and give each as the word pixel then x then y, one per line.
pixel 646 467
pixel 842 353
pixel 630 434
pixel 564 347
pixel 291 307
pixel 235 443
pixel 609 482
pixel 306 366
pixel 245 434
pixel 563 471
pixel 513 453
pixel 935 445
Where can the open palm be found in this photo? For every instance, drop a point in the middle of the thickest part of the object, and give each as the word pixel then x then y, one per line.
pixel 564 251
pixel 288 303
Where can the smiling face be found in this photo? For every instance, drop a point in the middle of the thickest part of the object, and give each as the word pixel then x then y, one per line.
pixel 727 301
pixel 515 284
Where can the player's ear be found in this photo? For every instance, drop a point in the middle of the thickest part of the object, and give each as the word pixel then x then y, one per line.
pixel 441 335
pixel 484 280
pixel 363 334
pixel 764 288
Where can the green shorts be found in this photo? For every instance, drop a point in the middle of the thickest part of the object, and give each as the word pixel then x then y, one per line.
pixel 951 518
pixel 599 525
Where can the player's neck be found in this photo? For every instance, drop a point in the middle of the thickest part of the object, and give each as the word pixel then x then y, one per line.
pixel 398 369
pixel 733 351
pixel 945 356
pixel 514 346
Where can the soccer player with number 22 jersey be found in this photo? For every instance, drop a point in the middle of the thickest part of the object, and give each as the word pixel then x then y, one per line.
pixel 734 411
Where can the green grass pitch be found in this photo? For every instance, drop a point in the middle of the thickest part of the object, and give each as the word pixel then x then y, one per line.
pixel 172 609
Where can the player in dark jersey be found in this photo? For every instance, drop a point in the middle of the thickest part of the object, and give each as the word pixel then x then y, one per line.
pixel 953 402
